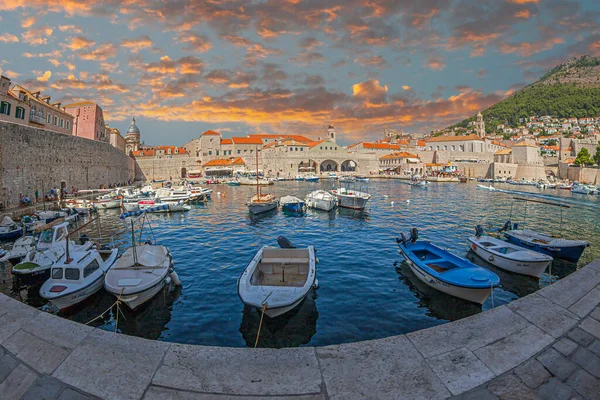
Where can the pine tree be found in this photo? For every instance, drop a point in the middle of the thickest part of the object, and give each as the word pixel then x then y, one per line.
pixel 597 156
pixel 583 158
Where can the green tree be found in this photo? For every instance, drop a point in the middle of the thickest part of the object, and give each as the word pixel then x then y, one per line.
pixel 597 156
pixel 552 142
pixel 583 158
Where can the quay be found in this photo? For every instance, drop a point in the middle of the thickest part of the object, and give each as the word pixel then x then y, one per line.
pixel 542 346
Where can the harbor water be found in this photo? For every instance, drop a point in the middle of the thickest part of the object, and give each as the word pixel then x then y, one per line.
pixel 365 290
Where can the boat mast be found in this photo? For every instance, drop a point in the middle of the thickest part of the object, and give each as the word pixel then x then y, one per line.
pixel 257 184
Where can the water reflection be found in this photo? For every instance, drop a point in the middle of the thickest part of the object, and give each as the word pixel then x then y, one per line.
pixel 291 329
pixel 362 215
pixel 440 305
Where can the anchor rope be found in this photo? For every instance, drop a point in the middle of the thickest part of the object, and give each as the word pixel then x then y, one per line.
pixel 264 307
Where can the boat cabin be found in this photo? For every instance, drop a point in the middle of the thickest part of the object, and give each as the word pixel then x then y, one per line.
pixel 82 266
pixel 282 267
pixel 51 237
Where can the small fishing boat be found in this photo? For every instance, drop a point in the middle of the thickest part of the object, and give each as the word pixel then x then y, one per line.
pixel 332 175
pixel 346 179
pixel 446 272
pixel 277 279
pixel 260 203
pixel 298 178
pixel 508 256
pixel 321 200
pixel 81 206
pixel 9 229
pixel 234 182
pixel 566 249
pixel 19 250
pixel 418 181
pixel 565 186
pixel 311 178
pixel 51 247
pixel 291 203
pixel 77 276
pixel 583 189
pixel 484 187
pixel 354 199
pixel 362 178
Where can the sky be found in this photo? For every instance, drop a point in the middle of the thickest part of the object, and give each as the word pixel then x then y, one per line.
pixel 182 67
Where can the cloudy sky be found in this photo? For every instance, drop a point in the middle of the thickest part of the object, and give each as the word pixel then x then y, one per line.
pixel 289 66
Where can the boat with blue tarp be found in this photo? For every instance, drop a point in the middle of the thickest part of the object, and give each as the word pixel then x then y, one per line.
pixel 446 272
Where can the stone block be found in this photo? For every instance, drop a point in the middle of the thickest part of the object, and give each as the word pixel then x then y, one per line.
pixel 17 383
pixel 509 387
pixel 546 315
pixel 160 393
pixel 44 388
pixel 557 364
pixel 554 389
pixel 532 373
pixel 585 384
pixel 565 346
pixel 581 337
pixel 7 364
pixel 595 265
pixel 591 326
pixel 595 347
pixel 257 371
pixel 596 314
pixel 460 370
pixel 378 369
pixel 41 355
pixel 58 331
pixel 570 289
pixel 477 394
pixel 70 394
pixel 472 332
pixel 14 318
pixel 511 351
pixel 587 303
pixel 112 366
pixel 588 360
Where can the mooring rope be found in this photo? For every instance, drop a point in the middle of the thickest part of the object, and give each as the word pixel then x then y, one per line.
pixel 264 307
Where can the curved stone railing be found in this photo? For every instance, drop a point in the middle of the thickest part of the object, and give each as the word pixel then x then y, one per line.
pixel 547 343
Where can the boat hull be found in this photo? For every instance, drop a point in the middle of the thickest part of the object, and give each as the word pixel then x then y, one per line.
pixel 259 208
pixel 135 300
pixel 276 312
pixel 355 203
pixel 571 253
pixel 80 295
pixel 474 295
pixel 293 207
pixel 34 277
pixel 11 234
pixel 321 204
pixel 530 268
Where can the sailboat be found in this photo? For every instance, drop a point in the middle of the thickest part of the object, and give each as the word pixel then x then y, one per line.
pixel 261 203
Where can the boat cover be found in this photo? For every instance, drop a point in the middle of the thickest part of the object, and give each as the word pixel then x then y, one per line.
pixel 140 212
pixel 147 255
pixel 7 221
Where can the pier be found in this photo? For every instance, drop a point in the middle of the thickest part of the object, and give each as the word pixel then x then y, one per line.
pixel 545 345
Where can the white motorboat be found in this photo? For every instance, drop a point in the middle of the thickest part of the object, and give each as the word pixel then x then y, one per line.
pixel 81 206
pixel 583 189
pixel 332 175
pixel 77 276
pixel 346 178
pixel 362 178
pixel 566 249
pixel 291 203
pixel 348 198
pixel 484 187
pixel 321 200
pixel 278 279
pixel 9 229
pixel 508 256
pixel 253 181
pixel 109 202
pixel 51 246
pixel 311 178
pixel 139 274
pixel 154 206
pixel 298 178
pixel 48 216
pixel 20 248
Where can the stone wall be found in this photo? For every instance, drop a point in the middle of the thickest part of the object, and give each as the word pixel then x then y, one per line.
pixel 175 167
pixel 584 175
pixel 38 159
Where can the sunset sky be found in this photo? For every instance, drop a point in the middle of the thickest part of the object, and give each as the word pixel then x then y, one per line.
pixel 275 66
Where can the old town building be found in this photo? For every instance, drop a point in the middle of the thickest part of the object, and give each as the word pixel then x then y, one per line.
pixel 88 120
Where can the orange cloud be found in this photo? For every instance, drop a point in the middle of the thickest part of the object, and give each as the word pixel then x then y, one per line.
pixel 527 49
pixel 369 89
pixel 436 63
pixel 406 87
pixel 28 22
pixel 522 14
pixel 37 36
pixel 137 44
pixel 8 38
pixel 78 43
pixel 102 52
pixel 45 77
pixel 194 42
pixel 69 28
pixel 524 1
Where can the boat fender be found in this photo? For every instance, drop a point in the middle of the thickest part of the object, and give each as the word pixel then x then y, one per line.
pixel 175 278
pixel 478 231
pixel 491 258
pixel 316 284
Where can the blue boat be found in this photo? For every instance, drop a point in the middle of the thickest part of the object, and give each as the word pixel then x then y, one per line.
pixel 292 204
pixel 446 272
pixel 311 178
pixel 9 229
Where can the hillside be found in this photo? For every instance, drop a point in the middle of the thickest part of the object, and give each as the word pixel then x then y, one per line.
pixel 571 89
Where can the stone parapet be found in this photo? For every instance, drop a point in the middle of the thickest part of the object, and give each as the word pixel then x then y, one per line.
pixel 540 346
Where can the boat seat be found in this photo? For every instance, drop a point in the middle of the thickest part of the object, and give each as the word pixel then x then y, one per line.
pixel 284 261
pixel 433 260
pixel 437 268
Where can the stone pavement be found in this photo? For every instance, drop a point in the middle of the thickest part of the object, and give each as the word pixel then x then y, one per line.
pixel 543 346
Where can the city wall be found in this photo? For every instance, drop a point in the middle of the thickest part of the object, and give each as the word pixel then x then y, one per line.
pixel 38 159
pixel 168 167
pixel 585 175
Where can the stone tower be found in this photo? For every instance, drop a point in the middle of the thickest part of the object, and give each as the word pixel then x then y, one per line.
pixel 331 133
pixel 132 138
pixel 480 126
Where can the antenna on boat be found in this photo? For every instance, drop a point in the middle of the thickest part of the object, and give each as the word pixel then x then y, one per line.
pixel 133 244
pixel 257 184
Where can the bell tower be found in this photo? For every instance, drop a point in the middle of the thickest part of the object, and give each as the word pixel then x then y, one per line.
pixel 331 133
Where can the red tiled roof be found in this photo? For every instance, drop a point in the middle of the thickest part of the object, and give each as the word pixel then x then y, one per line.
pixel 209 133
pixel 246 140
pixel 297 138
pixel 226 141
pixel 454 138
pixel 220 162
pixel 403 154
pixel 421 143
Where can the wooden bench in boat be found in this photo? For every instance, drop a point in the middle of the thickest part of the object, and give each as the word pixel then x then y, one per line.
pixel 438 268
pixel 284 261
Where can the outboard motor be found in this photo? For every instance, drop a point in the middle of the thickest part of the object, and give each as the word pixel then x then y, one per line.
pixel 414 235
pixel 506 226
pixel 83 239
pixel 478 231
pixel 404 239
pixel 285 243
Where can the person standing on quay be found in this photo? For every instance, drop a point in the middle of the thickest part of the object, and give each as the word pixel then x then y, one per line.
pixel 37 195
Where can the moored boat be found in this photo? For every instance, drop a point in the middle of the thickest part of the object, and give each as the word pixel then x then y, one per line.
pixel 19 250
pixel 508 256
pixel 362 178
pixel 348 198
pixel 566 249
pixel 446 272
pixel 260 203
pixel 277 279
pixel 321 200
pixel 484 187
pixel 291 203
pixel 9 229
pixel 311 178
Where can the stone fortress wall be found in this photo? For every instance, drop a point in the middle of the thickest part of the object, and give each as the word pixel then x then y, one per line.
pixel 38 159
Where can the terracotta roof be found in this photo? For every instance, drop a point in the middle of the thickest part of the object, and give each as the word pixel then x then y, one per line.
pixel 380 146
pixel 209 133
pixel 143 153
pixel 403 154
pixel 503 152
pixel 80 104
pixel 246 140
pixel 524 144
pixel 313 144
pixel 297 138
pixel 454 138
pixel 569 161
pixel 555 148
pixel 152 151
pixel 226 141
pixel 220 162
pixel 421 143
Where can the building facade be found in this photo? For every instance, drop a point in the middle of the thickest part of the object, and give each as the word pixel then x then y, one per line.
pixel 402 163
pixel 115 138
pixel 88 120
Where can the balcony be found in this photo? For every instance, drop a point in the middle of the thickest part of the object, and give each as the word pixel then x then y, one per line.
pixel 37 119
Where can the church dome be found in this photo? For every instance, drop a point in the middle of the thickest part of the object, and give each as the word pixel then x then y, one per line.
pixel 133 127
